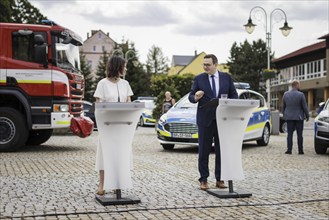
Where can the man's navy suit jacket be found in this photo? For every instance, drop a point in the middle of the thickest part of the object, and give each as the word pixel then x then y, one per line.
pixel 201 82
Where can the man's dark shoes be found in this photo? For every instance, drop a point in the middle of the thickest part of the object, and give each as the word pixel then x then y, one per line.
pixel 220 184
pixel 301 152
pixel 204 185
pixel 288 152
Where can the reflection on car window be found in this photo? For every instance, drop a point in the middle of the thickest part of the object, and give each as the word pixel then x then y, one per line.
pixel 185 103
pixel 254 96
pixel 149 104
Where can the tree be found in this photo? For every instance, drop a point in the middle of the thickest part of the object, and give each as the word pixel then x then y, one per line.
pixel 246 63
pixel 156 61
pixel 89 79
pixel 24 12
pixel 138 79
pixel 178 85
pixel 101 68
pixel 5 10
pixel 20 11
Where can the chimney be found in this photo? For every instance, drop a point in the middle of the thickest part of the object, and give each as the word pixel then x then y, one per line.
pixel 195 53
pixel 93 32
pixel 87 35
pixel 108 34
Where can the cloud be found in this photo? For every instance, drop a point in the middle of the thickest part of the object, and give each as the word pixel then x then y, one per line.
pixel 308 11
pixel 219 25
pixel 137 15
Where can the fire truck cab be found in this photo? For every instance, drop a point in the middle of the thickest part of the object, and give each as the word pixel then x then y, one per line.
pixel 41 87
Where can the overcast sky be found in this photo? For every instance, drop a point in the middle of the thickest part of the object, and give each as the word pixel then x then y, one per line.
pixel 181 27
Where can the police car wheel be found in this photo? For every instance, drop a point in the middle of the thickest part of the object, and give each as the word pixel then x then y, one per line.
pixel 141 122
pixel 283 127
pixel 265 136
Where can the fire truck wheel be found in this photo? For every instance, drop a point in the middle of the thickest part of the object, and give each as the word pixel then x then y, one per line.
pixel 38 137
pixel 13 129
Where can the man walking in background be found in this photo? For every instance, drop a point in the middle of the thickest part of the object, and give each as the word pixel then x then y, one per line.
pixel 295 110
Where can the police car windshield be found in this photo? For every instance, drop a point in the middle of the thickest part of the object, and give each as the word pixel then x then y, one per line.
pixel 185 103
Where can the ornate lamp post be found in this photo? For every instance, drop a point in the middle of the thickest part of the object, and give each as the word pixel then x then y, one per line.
pixel 276 16
pixel 130 54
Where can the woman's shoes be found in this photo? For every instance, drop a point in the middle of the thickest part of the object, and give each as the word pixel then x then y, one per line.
pixel 100 193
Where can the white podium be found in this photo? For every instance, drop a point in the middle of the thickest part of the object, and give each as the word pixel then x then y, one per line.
pixel 116 123
pixel 232 117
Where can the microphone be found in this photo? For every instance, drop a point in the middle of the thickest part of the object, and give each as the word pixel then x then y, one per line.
pixel 118 92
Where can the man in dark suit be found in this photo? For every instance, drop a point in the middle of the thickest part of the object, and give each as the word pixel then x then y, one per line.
pixel 206 86
pixel 294 110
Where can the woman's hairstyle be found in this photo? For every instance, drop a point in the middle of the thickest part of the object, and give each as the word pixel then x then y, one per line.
pixel 115 66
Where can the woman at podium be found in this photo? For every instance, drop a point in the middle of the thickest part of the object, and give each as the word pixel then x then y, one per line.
pixel 110 89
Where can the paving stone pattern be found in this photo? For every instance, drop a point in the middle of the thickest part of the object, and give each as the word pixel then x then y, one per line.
pixel 57 180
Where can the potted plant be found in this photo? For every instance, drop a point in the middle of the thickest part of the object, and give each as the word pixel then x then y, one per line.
pixel 269 73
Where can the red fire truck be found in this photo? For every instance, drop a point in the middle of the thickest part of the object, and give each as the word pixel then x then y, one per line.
pixel 41 87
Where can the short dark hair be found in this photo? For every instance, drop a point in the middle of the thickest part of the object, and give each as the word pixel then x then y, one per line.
pixel 115 66
pixel 213 58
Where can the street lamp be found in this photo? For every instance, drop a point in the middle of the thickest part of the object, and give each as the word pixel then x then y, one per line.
pixel 130 54
pixel 259 14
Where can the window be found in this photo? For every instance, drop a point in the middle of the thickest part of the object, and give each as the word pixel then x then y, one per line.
pixel 254 96
pixel 30 48
pixel 94 48
pixel 103 48
pixel 90 63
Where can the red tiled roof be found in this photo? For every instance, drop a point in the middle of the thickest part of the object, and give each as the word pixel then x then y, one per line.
pixel 303 50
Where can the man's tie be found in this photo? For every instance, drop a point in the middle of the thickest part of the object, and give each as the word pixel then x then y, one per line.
pixel 213 86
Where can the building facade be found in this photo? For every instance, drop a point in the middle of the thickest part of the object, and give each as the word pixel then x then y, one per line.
pixel 94 47
pixel 309 65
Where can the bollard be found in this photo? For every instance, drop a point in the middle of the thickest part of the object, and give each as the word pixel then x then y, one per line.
pixel 275 120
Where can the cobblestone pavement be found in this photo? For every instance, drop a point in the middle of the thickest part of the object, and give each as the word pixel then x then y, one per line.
pixel 57 181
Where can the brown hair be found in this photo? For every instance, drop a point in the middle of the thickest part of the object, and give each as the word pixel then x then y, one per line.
pixel 213 58
pixel 115 66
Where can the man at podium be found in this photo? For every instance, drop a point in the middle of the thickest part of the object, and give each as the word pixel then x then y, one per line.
pixel 210 85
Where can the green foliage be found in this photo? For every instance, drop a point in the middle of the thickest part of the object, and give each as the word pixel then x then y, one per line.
pixel 246 63
pixel 101 67
pixel 156 62
pixel 89 81
pixel 6 10
pixel 178 86
pixel 138 79
pixel 19 11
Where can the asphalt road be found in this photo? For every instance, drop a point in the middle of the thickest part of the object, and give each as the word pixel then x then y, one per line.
pixel 57 181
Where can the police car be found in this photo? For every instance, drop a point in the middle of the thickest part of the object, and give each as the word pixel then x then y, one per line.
pixel 146 119
pixel 178 125
pixel 321 129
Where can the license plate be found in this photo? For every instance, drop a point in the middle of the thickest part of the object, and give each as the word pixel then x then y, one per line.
pixel 182 135
pixel 78 86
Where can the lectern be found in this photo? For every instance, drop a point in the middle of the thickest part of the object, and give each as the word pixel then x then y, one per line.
pixel 116 123
pixel 232 117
